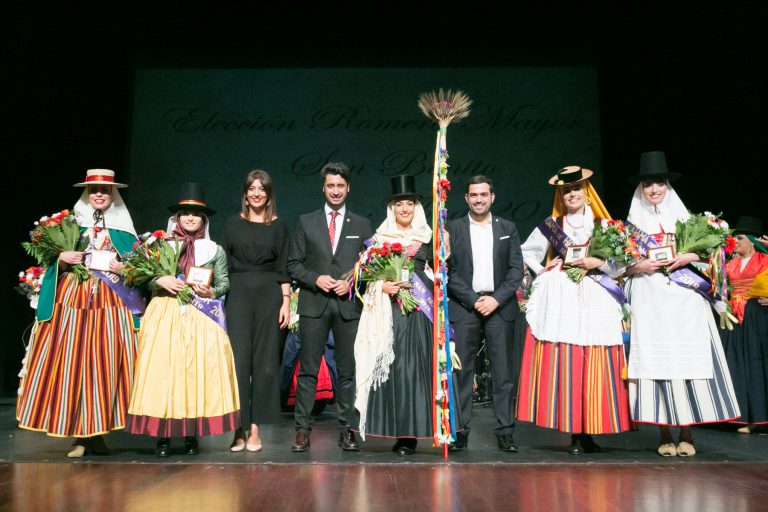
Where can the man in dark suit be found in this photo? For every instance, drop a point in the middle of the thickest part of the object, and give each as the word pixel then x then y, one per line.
pixel 326 244
pixel 484 270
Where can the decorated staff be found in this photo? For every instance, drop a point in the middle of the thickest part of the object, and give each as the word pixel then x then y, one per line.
pixel 443 108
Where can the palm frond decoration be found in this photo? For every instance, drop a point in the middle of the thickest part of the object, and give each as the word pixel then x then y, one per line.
pixel 445 107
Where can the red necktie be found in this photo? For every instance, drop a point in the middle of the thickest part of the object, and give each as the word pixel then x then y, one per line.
pixel 332 228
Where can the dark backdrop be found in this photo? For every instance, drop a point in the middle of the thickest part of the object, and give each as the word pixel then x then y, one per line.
pixel 690 85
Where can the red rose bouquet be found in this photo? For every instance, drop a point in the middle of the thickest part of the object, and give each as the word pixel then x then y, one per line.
pixel 388 262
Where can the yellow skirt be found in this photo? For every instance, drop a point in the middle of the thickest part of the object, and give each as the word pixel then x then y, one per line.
pixel 185 383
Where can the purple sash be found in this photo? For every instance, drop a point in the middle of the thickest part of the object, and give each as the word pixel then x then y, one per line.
pixel 130 296
pixel 212 308
pixel 424 297
pixel 560 242
pixel 685 276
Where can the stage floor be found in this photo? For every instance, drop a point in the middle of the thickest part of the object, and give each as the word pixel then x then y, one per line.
pixel 729 473
pixel 717 443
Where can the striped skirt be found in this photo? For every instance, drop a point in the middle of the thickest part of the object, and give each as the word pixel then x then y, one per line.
pixel 573 388
pixel 77 377
pixel 680 402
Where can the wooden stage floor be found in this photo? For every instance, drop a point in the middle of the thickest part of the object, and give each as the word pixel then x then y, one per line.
pixel 729 473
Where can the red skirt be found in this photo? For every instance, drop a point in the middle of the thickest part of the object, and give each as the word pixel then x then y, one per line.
pixel 324 384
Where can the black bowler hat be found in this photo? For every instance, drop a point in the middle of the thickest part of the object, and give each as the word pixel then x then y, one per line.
pixel 653 167
pixel 748 226
pixel 192 197
pixel 403 185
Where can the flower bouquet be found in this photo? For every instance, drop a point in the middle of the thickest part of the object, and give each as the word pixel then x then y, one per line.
pixel 703 235
pixel 54 235
pixel 389 262
pixel 293 324
pixel 709 236
pixel 30 283
pixel 153 257
pixel 610 241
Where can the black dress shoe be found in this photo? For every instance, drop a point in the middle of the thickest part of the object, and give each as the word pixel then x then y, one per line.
pixel 460 444
pixel 98 446
pixel 347 441
pixel 404 451
pixel 163 448
pixel 575 448
pixel 301 444
pixel 589 444
pixel 405 446
pixel 507 443
pixel 190 445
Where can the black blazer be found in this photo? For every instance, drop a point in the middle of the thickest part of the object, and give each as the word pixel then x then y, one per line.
pixel 310 257
pixel 507 268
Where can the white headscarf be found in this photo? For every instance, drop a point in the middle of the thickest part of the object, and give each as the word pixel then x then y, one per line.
pixel 420 231
pixel 653 218
pixel 116 216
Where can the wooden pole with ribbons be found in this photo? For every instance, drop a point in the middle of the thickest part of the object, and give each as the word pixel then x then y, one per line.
pixel 443 107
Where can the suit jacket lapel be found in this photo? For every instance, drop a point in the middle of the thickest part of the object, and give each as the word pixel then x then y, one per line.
pixel 468 238
pixel 498 232
pixel 322 229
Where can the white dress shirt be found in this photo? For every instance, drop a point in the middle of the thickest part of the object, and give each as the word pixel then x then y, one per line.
pixel 481 237
pixel 339 222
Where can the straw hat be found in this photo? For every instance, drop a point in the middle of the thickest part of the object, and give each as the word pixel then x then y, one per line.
pixel 100 177
pixel 570 175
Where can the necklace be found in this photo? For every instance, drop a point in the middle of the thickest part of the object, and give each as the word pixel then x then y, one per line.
pixel 574 227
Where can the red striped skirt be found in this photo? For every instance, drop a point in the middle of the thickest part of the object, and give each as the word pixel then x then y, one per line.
pixel 77 377
pixel 573 388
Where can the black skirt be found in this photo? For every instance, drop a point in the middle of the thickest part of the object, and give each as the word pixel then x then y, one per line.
pixel 746 350
pixel 402 406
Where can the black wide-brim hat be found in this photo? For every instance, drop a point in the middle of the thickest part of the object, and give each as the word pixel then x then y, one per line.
pixel 403 186
pixel 570 175
pixel 748 226
pixel 653 167
pixel 192 197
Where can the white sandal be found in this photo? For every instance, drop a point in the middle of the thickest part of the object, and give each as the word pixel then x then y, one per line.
pixel 686 449
pixel 668 450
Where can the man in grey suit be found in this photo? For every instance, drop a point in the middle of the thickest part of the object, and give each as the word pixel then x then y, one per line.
pixel 485 268
pixel 326 244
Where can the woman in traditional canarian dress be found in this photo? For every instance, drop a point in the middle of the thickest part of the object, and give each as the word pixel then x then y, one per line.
pixel 746 346
pixel 185 383
pixel 573 359
pixel 77 375
pixel 393 350
pixel 677 369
